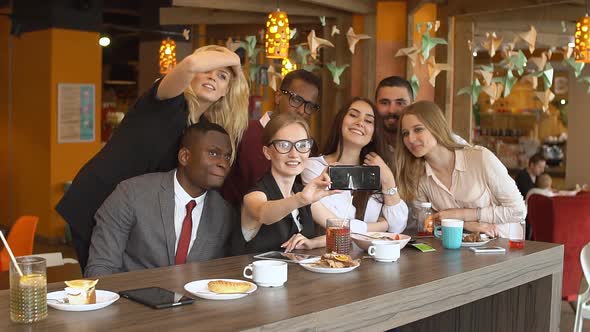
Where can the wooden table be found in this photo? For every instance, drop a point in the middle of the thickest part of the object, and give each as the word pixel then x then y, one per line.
pixel 445 290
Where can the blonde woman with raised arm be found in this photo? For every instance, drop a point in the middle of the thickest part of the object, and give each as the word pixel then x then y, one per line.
pixel 208 85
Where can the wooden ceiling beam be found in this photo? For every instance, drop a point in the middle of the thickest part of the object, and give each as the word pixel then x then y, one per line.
pixel 185 15
pixel 557 13
pixel 292 7
pixel 363 7
pixel 470 7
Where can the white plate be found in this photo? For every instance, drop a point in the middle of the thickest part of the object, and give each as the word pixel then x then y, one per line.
pixel 313 268
pixel 199 288
pixel 364 242
pixel 484 237
pixel 103 299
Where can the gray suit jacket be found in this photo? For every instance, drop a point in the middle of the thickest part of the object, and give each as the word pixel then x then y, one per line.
pixel 135 227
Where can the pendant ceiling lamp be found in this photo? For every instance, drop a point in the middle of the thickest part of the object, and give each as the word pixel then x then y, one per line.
pixel 582 40
pixel 167 55
pixel 287 67
pixel 276 38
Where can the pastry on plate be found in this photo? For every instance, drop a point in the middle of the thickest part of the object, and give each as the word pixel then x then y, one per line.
pixel 81 291
pixel 224 286
pixel 334 260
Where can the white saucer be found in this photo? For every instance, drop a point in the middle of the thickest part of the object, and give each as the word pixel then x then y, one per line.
pixel 485 239
pixel 385 260
pixel 200 288
pixel 319 269
pixel 103 299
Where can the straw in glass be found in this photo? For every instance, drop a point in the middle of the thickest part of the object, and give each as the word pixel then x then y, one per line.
pixel 11 255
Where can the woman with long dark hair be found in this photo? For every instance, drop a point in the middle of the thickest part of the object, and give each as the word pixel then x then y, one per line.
pixel 356 138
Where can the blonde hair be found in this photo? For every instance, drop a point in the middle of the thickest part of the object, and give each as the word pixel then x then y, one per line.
pixel 409 169
pixel 231 110
pixel 543 181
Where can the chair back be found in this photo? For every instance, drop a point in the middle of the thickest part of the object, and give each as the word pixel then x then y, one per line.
pixel 564 220
pixel 20 239
pixel 585 260
pixel 582 307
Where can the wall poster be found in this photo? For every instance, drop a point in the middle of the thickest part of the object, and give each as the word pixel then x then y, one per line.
pixel 75 113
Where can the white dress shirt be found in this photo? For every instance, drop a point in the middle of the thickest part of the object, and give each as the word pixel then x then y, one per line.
pixel 181 199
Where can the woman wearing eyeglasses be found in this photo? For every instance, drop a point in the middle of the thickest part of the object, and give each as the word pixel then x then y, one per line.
pixel 299 93
pixel 276 213
pixel 357 138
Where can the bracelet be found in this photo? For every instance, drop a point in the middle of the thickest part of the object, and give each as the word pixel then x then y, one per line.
pixel 478 213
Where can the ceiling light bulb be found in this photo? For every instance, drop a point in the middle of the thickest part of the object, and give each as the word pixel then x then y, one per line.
pixel 104 41
pixel 474 53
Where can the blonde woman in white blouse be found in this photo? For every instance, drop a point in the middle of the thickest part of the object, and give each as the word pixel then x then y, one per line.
pixel 461 182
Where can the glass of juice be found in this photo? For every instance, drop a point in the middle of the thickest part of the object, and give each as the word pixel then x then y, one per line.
pixel 28 293
pixel 516 235
pixel 338 235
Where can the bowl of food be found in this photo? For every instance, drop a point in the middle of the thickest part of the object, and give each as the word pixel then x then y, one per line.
pixel 364 240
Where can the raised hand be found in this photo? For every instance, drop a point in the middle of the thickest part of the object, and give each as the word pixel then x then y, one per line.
pixel 208 60
pixel 317 189
pixel 387 178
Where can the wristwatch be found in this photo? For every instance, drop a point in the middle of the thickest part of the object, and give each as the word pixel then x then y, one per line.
pixel 391 191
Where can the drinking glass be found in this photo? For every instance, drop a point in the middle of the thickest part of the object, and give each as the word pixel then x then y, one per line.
pixel 516 233
pixel 28 294
pixel 338 235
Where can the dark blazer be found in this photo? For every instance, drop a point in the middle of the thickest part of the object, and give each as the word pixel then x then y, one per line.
pixel 135 227
pixel 270 237
pixel 146 141
pixel 524 182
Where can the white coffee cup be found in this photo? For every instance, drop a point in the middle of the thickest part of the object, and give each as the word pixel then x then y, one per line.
pixel 384 251
pixel 267 273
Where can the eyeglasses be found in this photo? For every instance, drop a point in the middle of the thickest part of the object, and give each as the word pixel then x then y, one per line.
pixel 296 100
pixel 283 146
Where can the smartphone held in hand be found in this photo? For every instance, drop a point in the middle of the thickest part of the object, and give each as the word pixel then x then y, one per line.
pixel 346 177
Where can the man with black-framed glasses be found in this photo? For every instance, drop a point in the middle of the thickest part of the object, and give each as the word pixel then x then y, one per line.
pixel 299 93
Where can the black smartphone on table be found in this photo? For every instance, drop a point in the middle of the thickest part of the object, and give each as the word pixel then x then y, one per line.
pixel 346 177
pixel 156 297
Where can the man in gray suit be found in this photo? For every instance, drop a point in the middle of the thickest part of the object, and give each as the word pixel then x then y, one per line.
pixel 162 219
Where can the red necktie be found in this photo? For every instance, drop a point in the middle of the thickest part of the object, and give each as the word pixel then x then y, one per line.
pixel 185 234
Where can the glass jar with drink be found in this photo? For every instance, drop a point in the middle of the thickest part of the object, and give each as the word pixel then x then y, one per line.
pixel 516 234
pixel 28 292
pixel 338 235
pixel 425 222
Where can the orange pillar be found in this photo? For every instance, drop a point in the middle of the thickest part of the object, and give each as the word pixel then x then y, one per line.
pixel 4 104
pixel 391 36
pixel 39 164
